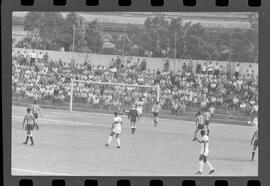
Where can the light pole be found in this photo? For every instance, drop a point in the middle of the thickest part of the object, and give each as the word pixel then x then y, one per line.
pixel 230 53
pixel 124 41
pixel 174 50
pixel 73 39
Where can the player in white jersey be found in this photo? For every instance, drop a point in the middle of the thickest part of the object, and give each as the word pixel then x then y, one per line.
pixel 35 111
pixel 204 153
pixel 116 129
pixel 29 119
pixel 255 143
pixel 139 106
pixel 155 111
pixel 212 111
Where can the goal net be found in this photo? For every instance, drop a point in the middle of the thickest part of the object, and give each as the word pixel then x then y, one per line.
pixel 111 96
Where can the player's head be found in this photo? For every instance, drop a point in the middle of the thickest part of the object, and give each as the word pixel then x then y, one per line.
pixel 157 102
pixel 202 132
pixel 35 101
pixel 115 114
pixel 28 110
pixel 199 113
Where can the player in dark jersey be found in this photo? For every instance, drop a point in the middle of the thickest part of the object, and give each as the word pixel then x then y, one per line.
pixel 29 119
pixel 255 143
pixel 133 116
pixel 35 111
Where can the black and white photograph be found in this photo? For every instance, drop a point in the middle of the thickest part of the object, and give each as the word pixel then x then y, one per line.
pixel 134 94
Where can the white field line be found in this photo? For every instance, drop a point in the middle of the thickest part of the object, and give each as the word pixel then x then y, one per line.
pixel 94 114
pixel 63 122
pixel 39 172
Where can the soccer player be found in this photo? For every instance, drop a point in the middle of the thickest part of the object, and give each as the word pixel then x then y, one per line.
pixel 139 106
pixel 29 119
pixel 255 143
pixel 35 111
pixel 116 129
pixel 155 111
pixel 207 116
pixel 199 123
pixel 204 153
pixel 133 117
pixel 212 111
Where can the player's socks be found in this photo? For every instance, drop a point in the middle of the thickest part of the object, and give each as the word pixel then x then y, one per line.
pixel 133 130
pixel 32 141
pixel 109 140
pixel 26 141
pixel 201 166
pixel 210 166
pixel 253 154
pixel 212 171
pixel 37 127
pixel 118 142
pixel 199 172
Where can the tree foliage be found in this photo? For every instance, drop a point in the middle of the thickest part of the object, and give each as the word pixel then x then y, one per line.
pixel 158 37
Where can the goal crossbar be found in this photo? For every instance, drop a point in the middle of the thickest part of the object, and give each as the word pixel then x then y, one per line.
pixel 157 87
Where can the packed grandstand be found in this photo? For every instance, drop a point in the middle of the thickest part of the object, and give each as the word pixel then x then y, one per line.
pixel 39 77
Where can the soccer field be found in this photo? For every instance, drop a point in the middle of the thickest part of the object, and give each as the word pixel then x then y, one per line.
pixel 72 143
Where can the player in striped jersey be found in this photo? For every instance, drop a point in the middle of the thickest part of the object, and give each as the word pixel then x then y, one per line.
pixel 29 119
pixel 155 110
pixel 255 143
pixel 199 123
pixel 133 117
pixel 207 117
pixel 116 129
pixel 204 153
pixel 35 111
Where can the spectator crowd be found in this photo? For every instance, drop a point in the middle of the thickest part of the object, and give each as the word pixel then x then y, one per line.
pixel 35 76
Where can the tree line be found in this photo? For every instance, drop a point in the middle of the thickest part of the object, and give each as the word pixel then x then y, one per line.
pixel 158 37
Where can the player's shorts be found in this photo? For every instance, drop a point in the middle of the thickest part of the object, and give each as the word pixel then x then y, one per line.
pixel 206 122
pixel 117 129
pixel 139 110
pixel 200 126
pixel 35 115
pixel 29 127
pixel 133 120
pixel 203 157
pixel 256 143
pixel 155 114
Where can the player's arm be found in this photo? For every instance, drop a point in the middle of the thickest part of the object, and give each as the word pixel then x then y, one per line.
pixel 112 125
pixel 39 111
pixel 196 121
pixel 34 121
pixel 200 141
pixel 23 123
pixel 252 139
pixel 129 113
pixel 204 145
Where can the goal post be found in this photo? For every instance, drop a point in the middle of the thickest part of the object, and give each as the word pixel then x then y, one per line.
pixel 155 87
